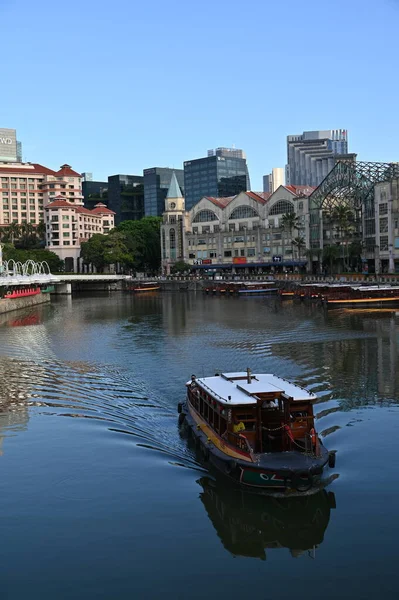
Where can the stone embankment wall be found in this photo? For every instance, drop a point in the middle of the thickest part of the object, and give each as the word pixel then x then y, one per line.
pixel 19 303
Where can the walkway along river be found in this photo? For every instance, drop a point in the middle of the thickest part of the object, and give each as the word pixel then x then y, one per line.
pixel 102 495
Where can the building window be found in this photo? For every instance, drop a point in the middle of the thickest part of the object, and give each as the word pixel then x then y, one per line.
pixel 251 252
pixel 163 244
pixel 384 243
pixel 243 212
pixel 282 207
pixel 227 253
pixel 204 216
pixel 384 209
pixel 384 225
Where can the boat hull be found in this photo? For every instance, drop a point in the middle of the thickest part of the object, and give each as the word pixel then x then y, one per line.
pixel 290 471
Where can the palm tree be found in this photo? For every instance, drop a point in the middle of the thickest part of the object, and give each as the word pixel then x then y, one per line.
pixel 299 243
pixel 290 221
pixel 330 254
pixel 13 232
pixel 41 230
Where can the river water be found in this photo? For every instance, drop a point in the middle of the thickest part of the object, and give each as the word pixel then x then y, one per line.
pixel 103 497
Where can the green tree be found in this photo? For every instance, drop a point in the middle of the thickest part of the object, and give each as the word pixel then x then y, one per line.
pixel 93 251
pixel 143 241
pixel 41 230
pixel 299 243
pixel 330 255
pixel 13 232
pixel 290 221
pixel 116 250
pixel 181 267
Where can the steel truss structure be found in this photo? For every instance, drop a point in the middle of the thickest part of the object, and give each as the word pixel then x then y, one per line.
pixel 349 184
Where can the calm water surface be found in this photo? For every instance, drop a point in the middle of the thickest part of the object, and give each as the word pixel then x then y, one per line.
pixel 101 495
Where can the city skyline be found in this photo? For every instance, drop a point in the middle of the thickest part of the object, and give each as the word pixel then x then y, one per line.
pixel 133 126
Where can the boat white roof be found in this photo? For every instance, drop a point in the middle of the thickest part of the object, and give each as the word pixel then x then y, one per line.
pixel 234 389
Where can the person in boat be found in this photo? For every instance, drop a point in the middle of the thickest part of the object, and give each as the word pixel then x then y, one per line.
pixel 193 383
pixel 238 426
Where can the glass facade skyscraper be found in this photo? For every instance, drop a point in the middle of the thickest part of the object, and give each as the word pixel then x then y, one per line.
pixel 126 197
pixel 156 185
pixel 215 176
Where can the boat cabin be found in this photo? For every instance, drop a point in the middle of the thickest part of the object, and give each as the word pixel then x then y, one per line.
pixel 254 413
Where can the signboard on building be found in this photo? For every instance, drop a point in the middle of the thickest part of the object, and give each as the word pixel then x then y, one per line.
pixel 206 261
pixel 277 259
pixel 8 145
pixel 239 260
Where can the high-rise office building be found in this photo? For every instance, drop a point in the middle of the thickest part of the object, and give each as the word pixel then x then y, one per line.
pixel 156 184
pixel 94 192
pixel 8 145
pixel 312 154
pixel 227 152
pixel 87 176
pixel 221 174
pixel 126 197
pixel 274 180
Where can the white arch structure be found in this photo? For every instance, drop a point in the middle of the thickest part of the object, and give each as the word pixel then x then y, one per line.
pixel 31 272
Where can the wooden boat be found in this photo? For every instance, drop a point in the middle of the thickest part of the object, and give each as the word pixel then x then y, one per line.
pixel 22 293
pixel 367 296
pixel 257 429
pixel 238 288
pixel 144 286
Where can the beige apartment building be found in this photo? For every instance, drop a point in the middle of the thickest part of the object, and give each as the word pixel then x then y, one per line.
pixel 240 232
pixel 32 193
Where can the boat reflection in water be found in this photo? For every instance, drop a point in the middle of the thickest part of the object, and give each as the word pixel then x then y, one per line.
pixel 248 523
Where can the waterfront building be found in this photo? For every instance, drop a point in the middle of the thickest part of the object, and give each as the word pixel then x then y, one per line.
pixel 273 181
pixel 69 223
pixel 126 197
pixel 241 231
pixel 223 173
pixel 313 154
pixel 94 192
pixel 156 184
pixel 26 188
pixel 174 226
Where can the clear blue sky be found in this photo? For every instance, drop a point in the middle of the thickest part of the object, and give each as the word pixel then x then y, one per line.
pixel 118 86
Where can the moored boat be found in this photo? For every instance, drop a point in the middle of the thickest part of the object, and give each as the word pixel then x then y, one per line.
pixel 144 286
pixel 238 288
pixel 257 429
pixel 366 296
pixel 22 293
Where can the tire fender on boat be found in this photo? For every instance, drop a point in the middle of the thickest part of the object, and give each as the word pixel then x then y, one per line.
pixel 303 481
pixel 182 418
pixel 180 407
pixel 331 460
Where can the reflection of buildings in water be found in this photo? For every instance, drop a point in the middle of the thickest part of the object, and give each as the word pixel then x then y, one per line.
pixel 14 412
pixel 12 419
pixel 360 369
pixel 248 523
